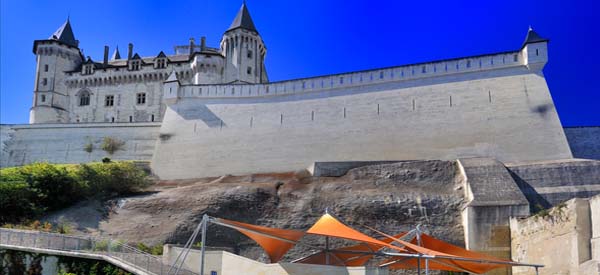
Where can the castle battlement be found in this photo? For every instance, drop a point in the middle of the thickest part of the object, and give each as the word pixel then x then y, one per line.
pixel 409 72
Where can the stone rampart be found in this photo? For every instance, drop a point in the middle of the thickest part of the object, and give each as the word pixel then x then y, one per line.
pixel 584 141
pixel 558 238
pixel 75 143
pixel 504 113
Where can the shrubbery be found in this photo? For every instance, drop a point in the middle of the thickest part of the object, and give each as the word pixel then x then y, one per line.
pixel 31 190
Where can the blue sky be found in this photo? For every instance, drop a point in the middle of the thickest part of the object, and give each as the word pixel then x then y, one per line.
pixel 312 37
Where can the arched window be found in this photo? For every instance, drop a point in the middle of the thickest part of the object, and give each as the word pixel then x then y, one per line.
pixel 84 98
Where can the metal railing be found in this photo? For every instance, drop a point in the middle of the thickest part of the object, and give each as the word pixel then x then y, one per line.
pixel 91 245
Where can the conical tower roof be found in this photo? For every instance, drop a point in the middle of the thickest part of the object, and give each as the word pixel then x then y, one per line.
pixel 65 35
pixel 116 55
pixel 243 20
pixel 533 37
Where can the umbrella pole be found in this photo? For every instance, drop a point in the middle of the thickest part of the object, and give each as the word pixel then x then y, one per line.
pixel 327 250
pixel 418 232
pixel 202 248
pixel 426 266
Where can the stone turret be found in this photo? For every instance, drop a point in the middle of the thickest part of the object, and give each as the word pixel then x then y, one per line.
pixel 55 56
pixel 171 88
pixel 244 51
pixel 535 50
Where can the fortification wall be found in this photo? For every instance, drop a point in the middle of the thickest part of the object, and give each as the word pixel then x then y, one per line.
pixel 65 143
pixel 558 238
pixel 584 141
pixel 505 113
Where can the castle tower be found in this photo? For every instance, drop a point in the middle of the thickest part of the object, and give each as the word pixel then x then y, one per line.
pixel 535 51
pixel 244 51
pixel 55 56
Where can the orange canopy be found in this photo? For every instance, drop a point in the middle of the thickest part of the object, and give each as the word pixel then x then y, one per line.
pixel 441 255
pixel 350 258
pixel 445 249
pixel 329 226
pixel 276 242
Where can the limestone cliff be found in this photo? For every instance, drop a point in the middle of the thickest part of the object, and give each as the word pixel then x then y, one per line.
pixel 389 197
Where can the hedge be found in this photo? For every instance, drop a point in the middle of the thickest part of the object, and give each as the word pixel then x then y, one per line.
pixel 31 190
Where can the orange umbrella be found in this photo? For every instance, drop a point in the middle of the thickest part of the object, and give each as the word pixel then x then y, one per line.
pixel 276 242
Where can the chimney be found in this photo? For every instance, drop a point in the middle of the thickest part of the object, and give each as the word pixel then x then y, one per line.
pixel 202 43
pixel 130 51
pixel 191 45
pixel 105 55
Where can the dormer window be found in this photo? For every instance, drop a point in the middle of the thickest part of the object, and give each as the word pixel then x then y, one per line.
pixel 161 63
pixel 88 69
pixel 134 65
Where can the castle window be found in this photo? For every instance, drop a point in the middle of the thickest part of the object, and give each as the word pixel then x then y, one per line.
pixel 468 63
pixel 152 118
pixel 135 65
pixel 161 63
pixel 515 58
pixel 141 98
pixel 249 54
pixel 130 119
pixel 249 70
pixel 87 69
pixel 537 52
pixel 109 100
pixel 43 98
pixel 84 99
pixel 46 68
pixel 45 81
pixel 423 69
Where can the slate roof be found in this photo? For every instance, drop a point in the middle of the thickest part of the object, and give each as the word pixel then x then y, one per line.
pixel 161 54
pixel 243 20
pixel 65 35
pixel 116 55
pixel 533 37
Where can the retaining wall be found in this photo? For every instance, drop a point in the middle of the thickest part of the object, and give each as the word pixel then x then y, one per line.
pixel 584 141
pixel 66 143
pixel 506 114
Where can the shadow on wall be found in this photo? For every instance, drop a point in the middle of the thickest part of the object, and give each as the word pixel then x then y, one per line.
pixel 536 201
pixel 543 109
pixel 200 112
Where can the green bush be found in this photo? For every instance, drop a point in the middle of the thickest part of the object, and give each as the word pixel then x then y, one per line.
pixel 17 202
pixel 111 145
pixel 111 178
pixel 28 191
pixel 154 250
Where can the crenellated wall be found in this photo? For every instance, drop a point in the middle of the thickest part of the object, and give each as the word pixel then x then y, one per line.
pixel 502 111
pixel 355 79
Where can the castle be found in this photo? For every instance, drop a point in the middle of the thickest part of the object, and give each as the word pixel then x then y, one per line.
pixel 212 111
pixel 70 88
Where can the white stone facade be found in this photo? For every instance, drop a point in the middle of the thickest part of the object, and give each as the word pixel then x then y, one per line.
pixel 72 89
pixel 495 105
pixel 218 114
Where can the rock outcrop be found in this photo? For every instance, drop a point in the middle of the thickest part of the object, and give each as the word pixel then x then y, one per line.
pixel 390 197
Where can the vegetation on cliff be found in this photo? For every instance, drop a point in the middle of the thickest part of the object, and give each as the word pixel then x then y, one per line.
pixel 31 190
